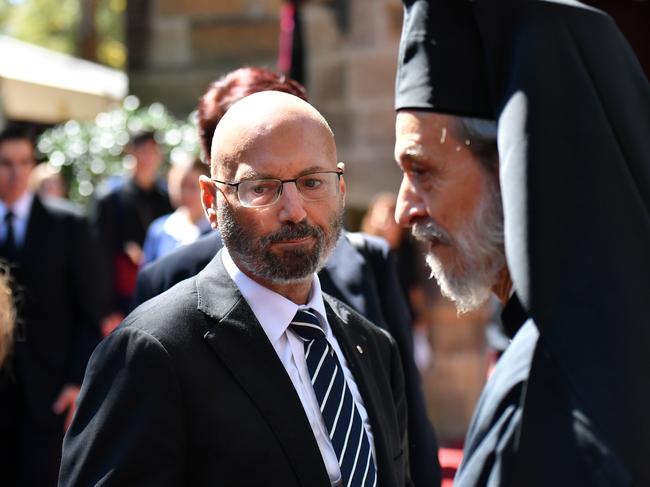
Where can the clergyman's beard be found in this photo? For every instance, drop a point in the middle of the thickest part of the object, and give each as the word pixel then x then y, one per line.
pixel 254 254
pixel 469 279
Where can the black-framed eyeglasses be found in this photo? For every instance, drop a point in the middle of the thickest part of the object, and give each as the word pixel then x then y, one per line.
pixel 314 186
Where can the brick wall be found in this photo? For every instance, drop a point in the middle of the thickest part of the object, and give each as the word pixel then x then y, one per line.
pixel 350 75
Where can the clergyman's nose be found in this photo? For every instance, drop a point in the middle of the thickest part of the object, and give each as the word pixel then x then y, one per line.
pixel 409 205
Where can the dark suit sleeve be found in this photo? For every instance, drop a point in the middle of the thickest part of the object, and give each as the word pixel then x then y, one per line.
pixel 90 287
pixel 423 446
pixel 145 285
pixel 128 428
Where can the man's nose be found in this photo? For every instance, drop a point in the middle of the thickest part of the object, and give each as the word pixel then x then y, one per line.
pixel 409 204
pixel 291 204
pixel 14 172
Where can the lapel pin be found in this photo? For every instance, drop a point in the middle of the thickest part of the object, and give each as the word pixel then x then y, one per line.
pixel 359 348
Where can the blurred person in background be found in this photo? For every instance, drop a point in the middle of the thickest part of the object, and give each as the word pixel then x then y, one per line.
pixel 123 215
pixel 379 220
pixel 361 271
pixel 47 181
pixel 60 287
pixel 7 315
pixel 187 222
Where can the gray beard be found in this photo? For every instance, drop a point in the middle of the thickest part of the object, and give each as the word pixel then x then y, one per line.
pixel 468 281
pixel 254 255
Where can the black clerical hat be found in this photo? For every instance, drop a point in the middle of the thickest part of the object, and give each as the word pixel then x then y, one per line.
pixel 441 65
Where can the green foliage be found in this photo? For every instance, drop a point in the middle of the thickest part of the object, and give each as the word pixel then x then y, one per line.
pixel 5 13
pixel 47 23
pixel 87 153
pixel 54 24
pixel 109 22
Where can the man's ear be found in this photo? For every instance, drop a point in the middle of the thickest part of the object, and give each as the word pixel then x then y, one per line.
pixel 209 200
pixel 341 166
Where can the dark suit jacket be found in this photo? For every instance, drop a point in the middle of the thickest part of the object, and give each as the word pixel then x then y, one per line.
pixel 189 391
pixel 61 297
pixel 362 275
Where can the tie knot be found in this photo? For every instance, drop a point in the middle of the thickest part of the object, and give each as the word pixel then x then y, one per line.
pixel 9 216
pixel 307 325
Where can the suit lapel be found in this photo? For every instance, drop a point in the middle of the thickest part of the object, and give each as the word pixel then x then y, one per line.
pixel 239 340
pixel 363 367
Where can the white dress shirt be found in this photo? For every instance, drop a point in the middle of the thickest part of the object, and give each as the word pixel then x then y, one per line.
pixel 275 312
pixel 21 209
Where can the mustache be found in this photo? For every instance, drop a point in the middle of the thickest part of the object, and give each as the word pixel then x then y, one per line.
pixel 292 231
pixel 430 230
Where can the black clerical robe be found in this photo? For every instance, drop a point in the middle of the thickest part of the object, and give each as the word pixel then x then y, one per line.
pixel 573 110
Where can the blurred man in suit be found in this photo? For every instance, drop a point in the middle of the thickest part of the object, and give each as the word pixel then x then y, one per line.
pixel 123 214
pixel 60 290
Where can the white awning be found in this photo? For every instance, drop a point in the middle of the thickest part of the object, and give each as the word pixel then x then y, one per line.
pixel 40 85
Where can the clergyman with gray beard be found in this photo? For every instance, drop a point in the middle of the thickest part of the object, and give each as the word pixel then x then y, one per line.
pixel 248 374
pixel 450 198
pixel 565 198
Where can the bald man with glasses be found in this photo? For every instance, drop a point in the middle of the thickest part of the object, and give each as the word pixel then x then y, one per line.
pixel 248 374
pixel 360 271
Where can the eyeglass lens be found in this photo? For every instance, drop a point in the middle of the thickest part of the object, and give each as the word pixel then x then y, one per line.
pixel 262 192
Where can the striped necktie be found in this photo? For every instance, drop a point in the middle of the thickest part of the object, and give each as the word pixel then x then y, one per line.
pixel 337 406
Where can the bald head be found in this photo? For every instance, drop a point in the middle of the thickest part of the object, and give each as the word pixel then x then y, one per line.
pixel 277 193
pixel 253 125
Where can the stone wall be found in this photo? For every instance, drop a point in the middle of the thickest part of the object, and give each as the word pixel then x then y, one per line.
pixel 177 47
pixel 350 77
pixel 184 45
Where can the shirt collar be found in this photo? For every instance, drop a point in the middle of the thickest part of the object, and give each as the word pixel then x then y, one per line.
pixel 273 311
pixel 20 208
